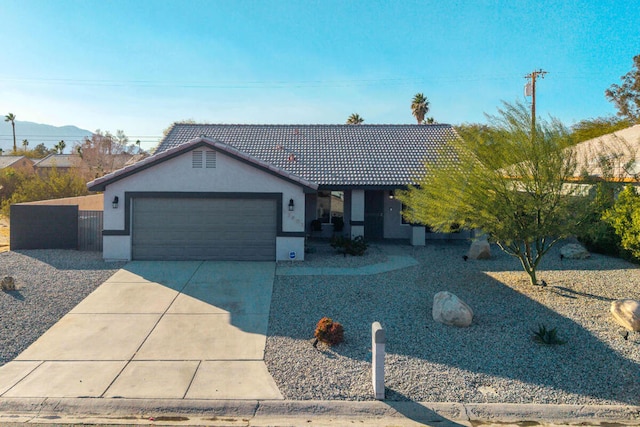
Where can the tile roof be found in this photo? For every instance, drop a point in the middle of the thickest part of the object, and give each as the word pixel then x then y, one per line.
pixel 6 161
pixel 331 155
pixel 58 161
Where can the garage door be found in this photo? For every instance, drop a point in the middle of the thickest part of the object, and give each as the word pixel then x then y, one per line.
pixel 204 229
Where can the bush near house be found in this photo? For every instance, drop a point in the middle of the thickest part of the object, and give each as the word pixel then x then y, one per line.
pixel 345 245
pixel 624 217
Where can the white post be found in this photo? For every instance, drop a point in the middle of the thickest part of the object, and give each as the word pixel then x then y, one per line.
pixel 378 341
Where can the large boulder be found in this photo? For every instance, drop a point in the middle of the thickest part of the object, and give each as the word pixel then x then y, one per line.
pixel 627 313
pixel 479 249
pixel 451 310
pixel 574 251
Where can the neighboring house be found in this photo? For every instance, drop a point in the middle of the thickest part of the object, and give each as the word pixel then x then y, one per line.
pixel 619 152
pixel 250 192
pixel 19 163
pixel 91 168
pixel 61 162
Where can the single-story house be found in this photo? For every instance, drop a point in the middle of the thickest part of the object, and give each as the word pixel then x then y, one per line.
pixel 18 163
pixel 61 162
pixel 251 192
pixel 618 152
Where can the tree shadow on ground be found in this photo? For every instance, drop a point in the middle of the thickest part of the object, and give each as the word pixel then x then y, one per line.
pixel 482 363
pixel 420 413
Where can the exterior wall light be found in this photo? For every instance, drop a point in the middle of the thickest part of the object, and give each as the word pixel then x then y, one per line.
pixel 115 202
pixel 291 205
pixel 391 196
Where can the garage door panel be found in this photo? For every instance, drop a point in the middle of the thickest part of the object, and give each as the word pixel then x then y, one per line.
pixel 216 229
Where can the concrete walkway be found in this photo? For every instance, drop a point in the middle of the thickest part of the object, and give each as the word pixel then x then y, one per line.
pixel 157 330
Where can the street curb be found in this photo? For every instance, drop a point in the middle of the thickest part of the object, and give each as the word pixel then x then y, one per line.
pixel 59 409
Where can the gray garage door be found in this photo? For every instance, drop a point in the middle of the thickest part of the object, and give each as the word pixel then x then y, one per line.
pixel 204 229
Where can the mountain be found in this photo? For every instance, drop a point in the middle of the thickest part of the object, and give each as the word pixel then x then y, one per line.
pixel 38 133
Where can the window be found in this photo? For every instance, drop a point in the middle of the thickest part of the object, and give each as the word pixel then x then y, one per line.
pixel 330 205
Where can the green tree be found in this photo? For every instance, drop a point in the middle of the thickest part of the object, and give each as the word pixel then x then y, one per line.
pixel 516 196
pixel 419 107
pixel 12 118
pixel 593 128
pixel 25 144
pixel 624 217
pixel 355 119
pixel 626 97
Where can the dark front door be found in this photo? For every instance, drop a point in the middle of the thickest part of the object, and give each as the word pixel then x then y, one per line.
pixel 374 215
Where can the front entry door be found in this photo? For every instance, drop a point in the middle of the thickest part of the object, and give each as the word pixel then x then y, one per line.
pixel 374 215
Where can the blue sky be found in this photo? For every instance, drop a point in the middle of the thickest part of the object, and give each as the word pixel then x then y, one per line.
pixel 141 65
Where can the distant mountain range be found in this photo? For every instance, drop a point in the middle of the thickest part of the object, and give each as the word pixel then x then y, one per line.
pixel 38 133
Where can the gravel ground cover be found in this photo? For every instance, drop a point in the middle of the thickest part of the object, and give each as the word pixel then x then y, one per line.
pixel 50 283
pixel 494 360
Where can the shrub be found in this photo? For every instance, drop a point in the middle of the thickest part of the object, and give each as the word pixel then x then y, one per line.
pixel 624 217
pixel 546 336
pixel 338 223
pixel 316 225
pixel 329 332
pixel 596 234
pixel 345 245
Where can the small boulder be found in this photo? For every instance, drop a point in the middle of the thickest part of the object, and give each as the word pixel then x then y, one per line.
pixel 451 310
pixel 627 313
pixel 479 249
pixel 8 284
pixel 574 251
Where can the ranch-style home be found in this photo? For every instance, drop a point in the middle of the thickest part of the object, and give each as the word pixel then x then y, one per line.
pixel 253 192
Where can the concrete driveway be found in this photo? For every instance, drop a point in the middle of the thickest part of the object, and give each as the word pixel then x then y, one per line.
pixel 176 330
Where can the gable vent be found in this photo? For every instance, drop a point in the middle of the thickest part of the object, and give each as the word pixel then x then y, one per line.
pixel 196 159
pixel 210 159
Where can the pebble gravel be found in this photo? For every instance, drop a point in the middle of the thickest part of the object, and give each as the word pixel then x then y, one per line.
pixel 49 284
pixel 495 360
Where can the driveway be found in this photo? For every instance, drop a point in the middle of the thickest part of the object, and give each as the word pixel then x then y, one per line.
pixel 177 330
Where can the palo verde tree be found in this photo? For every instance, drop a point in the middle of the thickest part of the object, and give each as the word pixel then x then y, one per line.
pixel 514 193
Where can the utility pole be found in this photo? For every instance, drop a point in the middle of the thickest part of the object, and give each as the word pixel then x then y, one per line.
pixel 530 90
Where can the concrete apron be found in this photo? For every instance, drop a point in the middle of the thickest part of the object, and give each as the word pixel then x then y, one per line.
pixel 157 330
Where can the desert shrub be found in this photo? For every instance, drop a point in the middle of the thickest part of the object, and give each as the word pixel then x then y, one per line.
pixel 54 185
pixel 546 336
pixel 624 217
pixel 596 234
pixel 338 223
pixel 316 225
pixel 346 245
pixel 329 332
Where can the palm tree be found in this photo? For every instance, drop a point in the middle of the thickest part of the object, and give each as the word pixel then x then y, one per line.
pixel 1 151
pixel 419 107
pixel 25 143
pixel 60 146
pixel 12 118
pixel 355 119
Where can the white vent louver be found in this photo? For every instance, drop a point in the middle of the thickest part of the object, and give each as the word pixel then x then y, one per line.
pixel 210 159
pixel 196 159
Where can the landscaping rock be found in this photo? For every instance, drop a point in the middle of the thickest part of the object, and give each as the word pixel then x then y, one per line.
pixel 574 251
pixel 451 310
pixel 479 249
pixel 8 284
pixel 627 313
